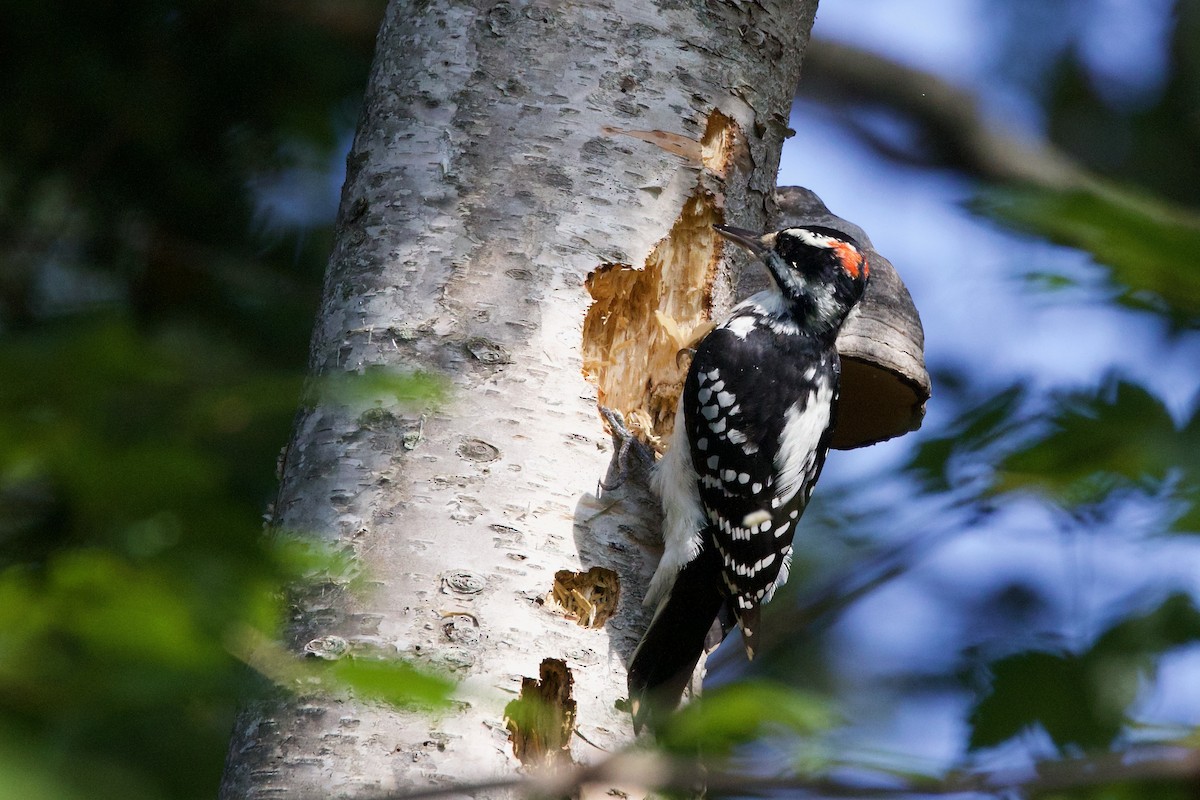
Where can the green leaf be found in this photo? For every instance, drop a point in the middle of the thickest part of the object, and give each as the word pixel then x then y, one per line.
pixel 1163 789
pixel 1055 690
pixel 1150 248
pixel 334 670
pixel 1120 439
pixel 970 437
pixel 26 775
pixel 1095 442
pixel 1081 699
pixel 380 386
pixel 740 712
pixel 394 682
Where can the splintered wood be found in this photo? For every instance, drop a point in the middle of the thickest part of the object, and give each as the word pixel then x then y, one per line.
pixel 643 320
pixel 589 598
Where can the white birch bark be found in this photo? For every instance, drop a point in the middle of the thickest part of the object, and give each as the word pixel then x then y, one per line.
pixel 506 151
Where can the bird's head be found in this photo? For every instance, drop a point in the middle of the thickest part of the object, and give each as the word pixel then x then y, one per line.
pixel 821 272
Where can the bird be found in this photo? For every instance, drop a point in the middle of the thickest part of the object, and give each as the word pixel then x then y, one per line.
pixel 752 430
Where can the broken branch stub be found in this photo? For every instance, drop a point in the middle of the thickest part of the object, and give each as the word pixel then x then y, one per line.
pixel 884 381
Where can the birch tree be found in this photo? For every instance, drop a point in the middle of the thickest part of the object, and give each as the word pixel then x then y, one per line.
pixel 528 214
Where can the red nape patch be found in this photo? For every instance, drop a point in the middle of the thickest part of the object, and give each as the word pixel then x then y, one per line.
pixel 852 261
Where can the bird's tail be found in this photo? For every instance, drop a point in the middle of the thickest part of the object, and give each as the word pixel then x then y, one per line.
pixel 666 657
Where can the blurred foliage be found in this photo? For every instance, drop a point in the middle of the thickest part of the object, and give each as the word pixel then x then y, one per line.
pixel 132 132
pixel 1120 439
pixel 1081 699
pixel 334 668
pixel 980 434
pixel 378 387
pixel 134 470
pixel 742 712
pixel 1089 451
pixel 1161 789
pixel 1078 463
pixel 1150 140
pixel 1148 247
pixel 132 479
pixel 153 331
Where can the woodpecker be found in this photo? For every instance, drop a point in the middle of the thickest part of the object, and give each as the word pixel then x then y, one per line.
pixel 752 430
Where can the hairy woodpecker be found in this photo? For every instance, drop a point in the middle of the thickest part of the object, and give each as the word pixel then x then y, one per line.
pixel 751 432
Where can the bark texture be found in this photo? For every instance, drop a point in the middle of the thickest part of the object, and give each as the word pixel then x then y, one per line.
pixel 507 151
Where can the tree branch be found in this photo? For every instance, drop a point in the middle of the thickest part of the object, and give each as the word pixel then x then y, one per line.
pixel 650 770
pixel 956 131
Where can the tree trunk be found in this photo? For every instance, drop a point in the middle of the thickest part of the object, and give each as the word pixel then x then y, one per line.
pixel 528 212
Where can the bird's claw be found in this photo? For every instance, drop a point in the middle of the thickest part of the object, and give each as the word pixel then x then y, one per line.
pixel 626 442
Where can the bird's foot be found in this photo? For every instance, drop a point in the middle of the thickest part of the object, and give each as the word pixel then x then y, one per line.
pixel 626 443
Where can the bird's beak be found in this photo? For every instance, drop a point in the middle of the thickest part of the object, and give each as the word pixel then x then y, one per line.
pixel 755 243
